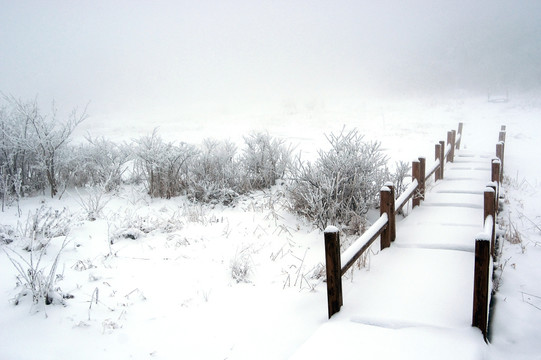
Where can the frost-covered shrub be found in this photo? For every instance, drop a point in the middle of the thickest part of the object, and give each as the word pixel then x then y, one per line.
pixel 35 279
pixel 100 162
pixel 342 184
pixel 165 167
pixel 264 159
pixel 43 225
pixel 401 171
pixel 215 174
pixel 93 201
pixel 241 266
pixel 33 145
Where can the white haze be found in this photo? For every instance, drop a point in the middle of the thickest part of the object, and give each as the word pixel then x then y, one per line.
pixel 188 60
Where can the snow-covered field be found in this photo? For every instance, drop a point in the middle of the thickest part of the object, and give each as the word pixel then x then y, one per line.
pixel 245 282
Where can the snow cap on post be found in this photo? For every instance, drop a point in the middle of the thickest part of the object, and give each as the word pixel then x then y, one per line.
pixel 331 229
pixel 385 188
pixel 389 184
pixel 483 236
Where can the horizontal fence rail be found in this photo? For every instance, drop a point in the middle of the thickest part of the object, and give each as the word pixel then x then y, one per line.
pixel 384 228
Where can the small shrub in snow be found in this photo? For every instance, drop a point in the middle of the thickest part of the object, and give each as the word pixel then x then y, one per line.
pixel 265 159
pixel 402 171
pixel 215 175
pixel 342 184
pixel 165 167
pixel 93 201
pixel 7 234
pixel 241 266
pixel 35 279
pixel 43 225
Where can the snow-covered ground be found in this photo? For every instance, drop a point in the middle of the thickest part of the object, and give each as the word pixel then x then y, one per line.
pixel 245 282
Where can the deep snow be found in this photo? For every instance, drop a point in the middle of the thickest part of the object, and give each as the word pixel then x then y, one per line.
pixel 170 294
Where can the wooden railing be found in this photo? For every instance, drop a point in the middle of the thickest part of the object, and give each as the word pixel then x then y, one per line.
pixel 384 227
pixel 485 243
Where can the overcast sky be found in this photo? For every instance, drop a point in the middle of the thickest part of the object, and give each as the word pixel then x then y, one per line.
pixel 130 56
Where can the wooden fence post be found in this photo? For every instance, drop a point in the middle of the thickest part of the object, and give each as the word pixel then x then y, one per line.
pixel 442 158
pixel 500 155
pixel 385 195
pixel 459 133
pixel 334 270
pixel 392 221
pixel 451 140
pixel 484 247
pixel 422 180
pixel 490 210
pixel 501 136
pixel 480 284
pixel 416 175
pixel 495 178
pixel 437 151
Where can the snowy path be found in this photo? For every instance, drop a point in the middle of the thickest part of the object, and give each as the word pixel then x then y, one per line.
pixel 415 302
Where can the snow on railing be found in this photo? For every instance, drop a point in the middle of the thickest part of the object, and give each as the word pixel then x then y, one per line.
pixel 406 195
pixel 363 242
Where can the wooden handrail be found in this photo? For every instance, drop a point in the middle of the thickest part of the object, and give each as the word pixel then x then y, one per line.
pixel 435 167
pixel 406 195
pixel 355 250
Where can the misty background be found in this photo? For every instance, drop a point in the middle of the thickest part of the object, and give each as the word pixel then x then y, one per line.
pixel 185 60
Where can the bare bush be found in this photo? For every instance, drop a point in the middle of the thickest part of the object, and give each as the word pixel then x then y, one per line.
pixel 43 225
pixel 215 174
pixel 35 279
pixel 342 184
pixel 93 201
pixel 265 159
pixel 101 162
pixel 165 166
pixel 241 265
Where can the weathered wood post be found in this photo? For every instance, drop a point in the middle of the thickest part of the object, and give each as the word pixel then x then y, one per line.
pixel 449 140
pixel 480 284
pixel 416 175
pixel 442 158
pixel 437 155
pixel 490 210
pixel 392 221
pixel 422 177
pixel 459 133
pixel 385 208
pixel 453 142
pixel 484 246
pixel 495 178
pixel 501 136
pixel 500 155
pixel 334 270
pixel 451 135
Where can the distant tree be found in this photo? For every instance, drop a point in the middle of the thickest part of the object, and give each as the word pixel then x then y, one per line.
pixel 40 136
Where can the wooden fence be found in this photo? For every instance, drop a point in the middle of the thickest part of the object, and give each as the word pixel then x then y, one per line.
pixel 485 243
pixel 337 264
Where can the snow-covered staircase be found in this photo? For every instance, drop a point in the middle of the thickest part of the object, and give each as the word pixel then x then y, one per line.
pixel 415 300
